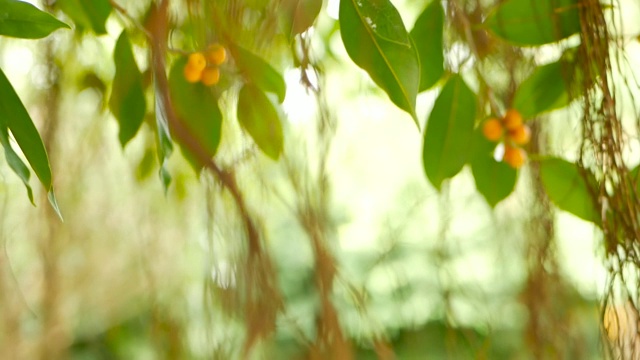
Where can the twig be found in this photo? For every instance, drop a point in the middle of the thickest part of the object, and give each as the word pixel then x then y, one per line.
pixel 157 29
pixel 124 13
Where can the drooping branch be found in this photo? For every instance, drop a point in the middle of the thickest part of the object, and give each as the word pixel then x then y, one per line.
pixel 157 28
pixel 262 299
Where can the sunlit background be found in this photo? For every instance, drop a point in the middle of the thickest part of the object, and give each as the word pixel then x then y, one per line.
pixel 131 272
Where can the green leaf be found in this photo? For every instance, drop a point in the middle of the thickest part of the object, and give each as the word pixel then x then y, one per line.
pixel 567 189
pixel 88 14
pixel 146 165
pixel 544 90
pixel 376 40
pixel 164 142
pixel 259 117
pixel 127 101
pixel 427 35
pixel 495 180
pixel 17 119
pixel 51 196
pixel 535 22
pixel 299 15
pixel 14 161
pixel 480 146
pixel 257 71
pixel 449 133
pixel 482 163
pixel 165 176
pixel 197 107
pixel 23 20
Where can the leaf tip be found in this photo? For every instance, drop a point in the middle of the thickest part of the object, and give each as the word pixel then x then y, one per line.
pixel 274 155
pixel 30 195
pixel 165 178
pixel 54 204
pixel 414 116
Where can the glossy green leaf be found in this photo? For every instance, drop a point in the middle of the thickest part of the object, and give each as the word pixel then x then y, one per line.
pixel 257 71
pixel 16 118
pixel 299 15
pixel 449 133
pixel 481 160
pixel 197 107
pixel 88 14
pixel 535 22
pixel 165 144
pixel 259 117
pixel 165 176
pixel 544 90
pixel 427 35
pixel 567 189
pixel 24 131
pixel 376 40
pixel 14 161
pixel 480 146
pixel 23 20
pixel 495 180
pixel 51 196
pixel 127 102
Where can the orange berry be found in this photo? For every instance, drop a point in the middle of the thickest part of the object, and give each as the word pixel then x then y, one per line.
pixel 514 156
pixel 210 76
pixel 512 119
pixel 492 129
pixel 216 54
pixel 197 61
pixel 520 135
pixel 191 73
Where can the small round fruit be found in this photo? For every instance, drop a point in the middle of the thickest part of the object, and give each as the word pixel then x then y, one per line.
pixel 514 156
pixel 197 61
pixel 512 119
pixel 492 129
pixel 192 74
pixel 216 54
pixel 210 76
pixel 520 135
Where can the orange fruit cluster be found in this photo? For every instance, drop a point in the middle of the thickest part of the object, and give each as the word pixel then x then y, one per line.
pixel 204 66
pixel 515 133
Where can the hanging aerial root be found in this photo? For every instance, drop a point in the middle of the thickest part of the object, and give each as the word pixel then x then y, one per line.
pixel 614 194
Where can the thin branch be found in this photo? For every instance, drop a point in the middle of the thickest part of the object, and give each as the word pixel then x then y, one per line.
pixel 158 29
pixel 124 13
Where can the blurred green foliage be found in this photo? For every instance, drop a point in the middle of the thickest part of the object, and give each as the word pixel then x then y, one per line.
pixel 309 197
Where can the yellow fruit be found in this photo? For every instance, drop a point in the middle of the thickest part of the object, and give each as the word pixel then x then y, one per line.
pixel 520 135
pixel 216 54
pixel 514 156
pixel 210 76
pixel 191 73
pixel 197 61
pixel 492 129
pixel 512 119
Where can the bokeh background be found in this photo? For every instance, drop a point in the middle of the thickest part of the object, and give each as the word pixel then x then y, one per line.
pixel 137 273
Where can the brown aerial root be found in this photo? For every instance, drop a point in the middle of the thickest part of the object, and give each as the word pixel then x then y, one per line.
pixel 614 194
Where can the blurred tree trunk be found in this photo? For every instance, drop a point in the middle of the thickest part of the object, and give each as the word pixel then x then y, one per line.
pixel 10 340
pixel 55 336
